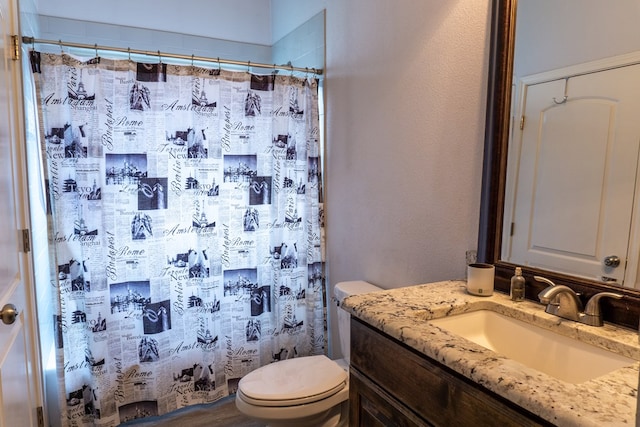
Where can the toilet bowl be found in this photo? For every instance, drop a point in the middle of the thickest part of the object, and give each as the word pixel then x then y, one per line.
pixel 310 391
pixel 306 391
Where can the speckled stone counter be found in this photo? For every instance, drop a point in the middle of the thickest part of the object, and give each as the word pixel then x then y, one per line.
pixel 404 314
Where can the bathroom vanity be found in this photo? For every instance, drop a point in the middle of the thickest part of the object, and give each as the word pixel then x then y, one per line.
pixel 392 385
pixel 407 369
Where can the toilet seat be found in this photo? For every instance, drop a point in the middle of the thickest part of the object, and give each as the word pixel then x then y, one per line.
pixel 293 382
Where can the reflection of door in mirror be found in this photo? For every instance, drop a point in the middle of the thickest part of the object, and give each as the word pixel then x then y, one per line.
pixel 574 161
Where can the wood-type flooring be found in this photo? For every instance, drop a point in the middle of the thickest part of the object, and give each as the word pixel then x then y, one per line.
pixel 219 414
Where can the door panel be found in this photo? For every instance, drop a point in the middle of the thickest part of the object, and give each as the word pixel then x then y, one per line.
pixel 15 390
pixel 17 372
pixel 570 183
pixel 574 203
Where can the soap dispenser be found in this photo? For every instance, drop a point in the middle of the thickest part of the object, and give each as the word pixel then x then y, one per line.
pixel 517 286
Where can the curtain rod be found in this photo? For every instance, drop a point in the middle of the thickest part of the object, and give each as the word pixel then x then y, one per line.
pixel 289 67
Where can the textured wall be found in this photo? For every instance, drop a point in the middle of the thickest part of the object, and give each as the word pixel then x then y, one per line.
pixel 405 97
pixel 405 117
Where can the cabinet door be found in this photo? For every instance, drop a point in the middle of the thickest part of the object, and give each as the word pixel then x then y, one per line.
pixel 370 406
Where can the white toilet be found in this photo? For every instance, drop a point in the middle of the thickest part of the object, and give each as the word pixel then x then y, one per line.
pixel 311 391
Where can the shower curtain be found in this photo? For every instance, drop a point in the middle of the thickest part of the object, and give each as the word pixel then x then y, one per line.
pixel 186 228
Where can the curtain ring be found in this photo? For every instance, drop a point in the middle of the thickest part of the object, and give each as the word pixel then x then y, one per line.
pixel 192 55
pixel 129 51
pixel 219 65
pixel 60 44
pixel 249 67
pixel 95 46
pixel 160 57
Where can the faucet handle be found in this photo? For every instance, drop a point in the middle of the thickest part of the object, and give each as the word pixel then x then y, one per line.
pixel 593 305
pixel 593 312
pixel 551 284
pixel 544 280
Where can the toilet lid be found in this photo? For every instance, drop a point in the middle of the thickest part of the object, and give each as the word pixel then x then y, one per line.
pixel 293 381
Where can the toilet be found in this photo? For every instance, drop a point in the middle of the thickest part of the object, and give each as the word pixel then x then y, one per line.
pixel 310 391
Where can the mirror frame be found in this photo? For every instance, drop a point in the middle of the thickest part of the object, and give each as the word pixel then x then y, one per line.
pixel 624 312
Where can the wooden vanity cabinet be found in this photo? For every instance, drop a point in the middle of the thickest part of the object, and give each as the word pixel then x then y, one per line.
pixel 393 385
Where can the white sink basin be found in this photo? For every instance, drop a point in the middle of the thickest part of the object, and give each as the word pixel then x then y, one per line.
pixel 556 355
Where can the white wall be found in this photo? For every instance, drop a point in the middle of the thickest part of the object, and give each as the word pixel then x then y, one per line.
pixel 552 34
pixel 304 45
pixel 117 35
pixel 286 15
pixel 405 112
pixel 247 21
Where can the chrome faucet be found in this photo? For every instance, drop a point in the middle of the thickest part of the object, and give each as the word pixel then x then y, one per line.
pixel 562 301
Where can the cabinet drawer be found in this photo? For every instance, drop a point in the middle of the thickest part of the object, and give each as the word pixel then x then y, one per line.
pixel 429 389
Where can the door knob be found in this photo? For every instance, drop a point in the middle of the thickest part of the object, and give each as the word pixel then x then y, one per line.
pixel 8 314
pixel 612 261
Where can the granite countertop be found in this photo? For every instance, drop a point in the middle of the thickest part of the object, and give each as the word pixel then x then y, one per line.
pixel 404 314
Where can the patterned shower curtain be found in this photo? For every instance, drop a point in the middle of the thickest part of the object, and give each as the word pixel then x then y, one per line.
pixel 186 227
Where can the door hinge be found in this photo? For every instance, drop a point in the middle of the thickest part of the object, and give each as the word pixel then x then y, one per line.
pixel 26 240
pixel 513 226
pixel 15 47
pixel 521 122
pixel 40 415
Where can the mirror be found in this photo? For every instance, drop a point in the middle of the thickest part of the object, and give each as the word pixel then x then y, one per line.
pixel 573 150
pixel 494 181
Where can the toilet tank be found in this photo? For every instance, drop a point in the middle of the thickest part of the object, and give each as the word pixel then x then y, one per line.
pixel 340 292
